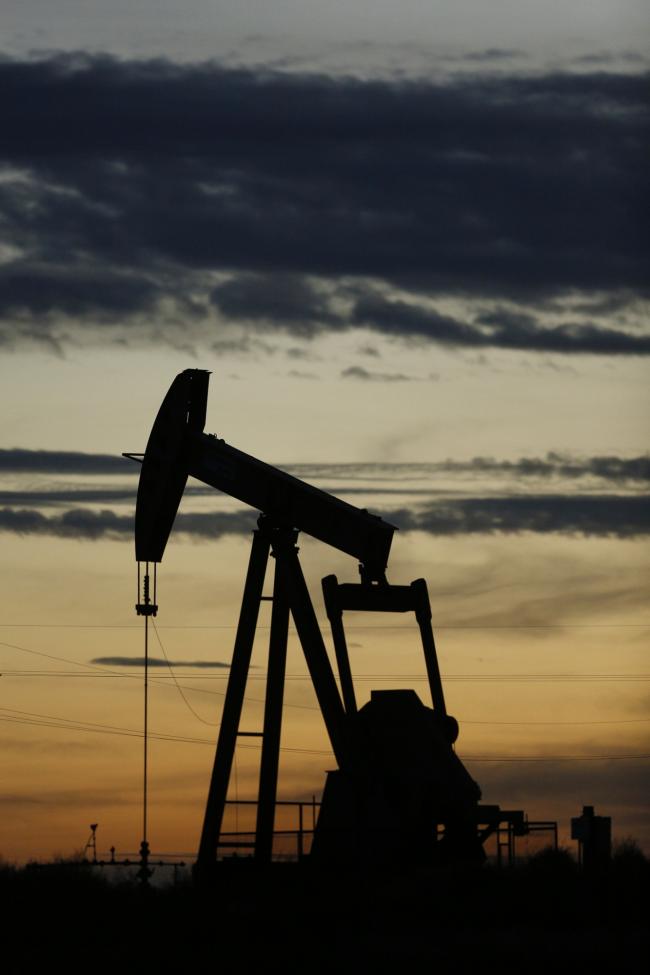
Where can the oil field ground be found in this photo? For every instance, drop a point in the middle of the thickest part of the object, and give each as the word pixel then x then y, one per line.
pixel 287 917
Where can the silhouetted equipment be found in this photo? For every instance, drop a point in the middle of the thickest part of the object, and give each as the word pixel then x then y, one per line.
pixel 594 836
pixel 401 779
pixel 91 842
pixel 506 825
pixel 145 872
pixel 398 776
pixel 145 607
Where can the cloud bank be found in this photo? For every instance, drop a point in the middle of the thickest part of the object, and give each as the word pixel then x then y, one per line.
pixel 608 467
pixel 158 662
pixel 150 195
pixel 599 515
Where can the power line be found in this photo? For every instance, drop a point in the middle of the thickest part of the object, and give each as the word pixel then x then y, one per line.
pixel 507 677
pixel 410 678
pixel 309 707
pixel 98 671
pixel 13 715
pixel 67 725
pixel 352 626
pixel 8 672
pixel 213 724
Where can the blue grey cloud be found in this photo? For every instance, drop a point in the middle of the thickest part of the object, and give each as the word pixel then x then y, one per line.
pixel 616 516
pixel 159 662
pixel 129 183
pixel 608 467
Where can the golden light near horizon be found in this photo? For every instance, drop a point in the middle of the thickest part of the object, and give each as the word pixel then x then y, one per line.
pixel 529 677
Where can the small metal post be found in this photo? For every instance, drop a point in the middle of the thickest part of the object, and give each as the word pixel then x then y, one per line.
pixel 300 832
pixel 92 842
pixel 144 873
pixel 145 608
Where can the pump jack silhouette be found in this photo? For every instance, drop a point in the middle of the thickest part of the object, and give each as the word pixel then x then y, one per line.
pixel 399 786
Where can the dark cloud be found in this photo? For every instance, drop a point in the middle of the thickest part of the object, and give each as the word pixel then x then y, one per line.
pixel 67 496
pixel 299 352
pixel 622 471
pixel 279 298
pixel 494 54
pixel 613 786
pixel 18 460
pixel 74 291
pixel 613 515
pixel 159 662
pixel 599 515
pixel 606 467
pixel 75 523
pixel 299 374
pixel 81 523
pixel 128 184
pixel 366 375
pixel 619 469
pixel 502 329
pixel 610 57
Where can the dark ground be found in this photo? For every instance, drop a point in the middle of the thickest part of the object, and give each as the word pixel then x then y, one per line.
pixel 545 915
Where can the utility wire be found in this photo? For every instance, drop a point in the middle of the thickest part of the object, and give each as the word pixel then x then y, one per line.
pixel 416 678
pixel 464 721
pixel 213 724
pixel 411 678
pixel 99 671
pixel 72 726
pixel 67 724
pixel 360 677
pixel 352 626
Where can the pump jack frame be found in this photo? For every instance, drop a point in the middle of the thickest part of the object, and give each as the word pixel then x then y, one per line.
pixel 291 597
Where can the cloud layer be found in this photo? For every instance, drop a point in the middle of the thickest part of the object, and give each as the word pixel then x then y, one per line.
pixel 558 493
pixel 605 515
pixel 158 662
pixel 17 460
pixel 136 193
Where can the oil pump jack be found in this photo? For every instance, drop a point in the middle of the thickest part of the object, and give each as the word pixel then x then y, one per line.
pixel 399 789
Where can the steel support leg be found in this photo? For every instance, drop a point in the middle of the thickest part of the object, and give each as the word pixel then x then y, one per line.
pixel 272 715
pixel 232 707
pixel 423 616
pixel 330 587
pixel 315 652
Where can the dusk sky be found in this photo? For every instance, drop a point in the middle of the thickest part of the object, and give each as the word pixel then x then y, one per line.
pixel 409 242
